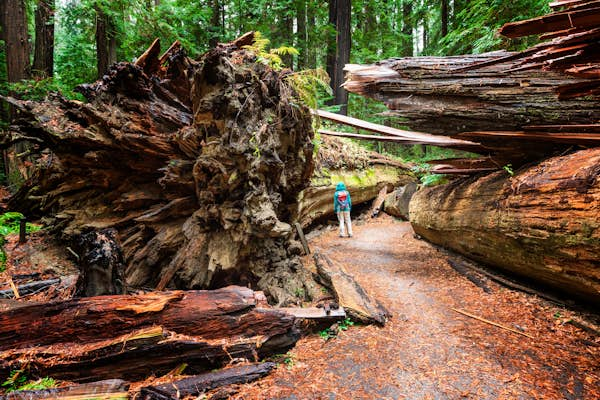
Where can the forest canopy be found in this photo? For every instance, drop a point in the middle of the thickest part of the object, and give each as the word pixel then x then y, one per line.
pixel 379 29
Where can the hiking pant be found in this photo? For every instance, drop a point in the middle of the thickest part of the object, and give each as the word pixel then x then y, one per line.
pixel 344 216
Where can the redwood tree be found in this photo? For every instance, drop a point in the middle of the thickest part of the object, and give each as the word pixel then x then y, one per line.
pixel 14 34
pixel 43 57
pixel 106 41
pixel 338 54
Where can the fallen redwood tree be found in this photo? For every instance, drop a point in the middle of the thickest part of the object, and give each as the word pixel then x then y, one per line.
pixel 130 337
pixel 194 165
pixel 542 223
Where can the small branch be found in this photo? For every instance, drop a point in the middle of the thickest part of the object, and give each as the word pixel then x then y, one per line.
pixel 492 323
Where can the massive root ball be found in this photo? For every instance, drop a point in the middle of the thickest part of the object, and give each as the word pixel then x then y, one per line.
pixel 196 164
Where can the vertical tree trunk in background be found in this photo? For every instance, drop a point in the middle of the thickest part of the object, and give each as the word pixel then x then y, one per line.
pixel 407 28
pixel 43 58
pixel 106 41
pixel 339 52
pixel 302 34
pixel 101 43
pixel 14 28
pixel 311 51
pixel 287 37
pixel 444 17
pixel 215 23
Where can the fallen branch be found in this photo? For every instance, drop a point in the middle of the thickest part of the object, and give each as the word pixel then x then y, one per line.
pixel 27 288
pixel 492 323
pixel 199 384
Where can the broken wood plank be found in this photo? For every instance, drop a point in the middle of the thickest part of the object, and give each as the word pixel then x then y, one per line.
pixel 107 389
pixel 409 136
pixel 196 385
pixel 464 271
pixel 314 312
pixel 556 137
pixel 348 293
pixel 487 321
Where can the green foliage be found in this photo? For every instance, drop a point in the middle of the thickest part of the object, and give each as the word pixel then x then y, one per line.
pixel 334 330
pixel 17 380
pixel 433 179
pixel 310 86
pixel 9 223
pixel 509 170
pixel 270 57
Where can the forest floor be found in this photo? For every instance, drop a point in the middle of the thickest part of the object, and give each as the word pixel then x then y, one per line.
pixel 427 350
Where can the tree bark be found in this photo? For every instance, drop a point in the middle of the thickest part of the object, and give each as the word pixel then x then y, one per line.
pixel 43 58
pixel 541 224
pixel 132 336
pixel 338 54
pixel 16 38
pixel 106 41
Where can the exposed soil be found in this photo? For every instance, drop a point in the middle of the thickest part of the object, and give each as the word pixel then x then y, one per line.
pixel 427 350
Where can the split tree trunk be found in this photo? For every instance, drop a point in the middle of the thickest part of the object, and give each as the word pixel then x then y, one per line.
pixel 197 165
pixel 434 95
pixel 541 224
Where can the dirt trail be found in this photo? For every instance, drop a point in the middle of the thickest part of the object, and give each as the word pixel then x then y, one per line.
pixel 427 350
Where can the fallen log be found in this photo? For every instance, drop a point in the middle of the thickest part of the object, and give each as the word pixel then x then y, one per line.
pixel 215 314
pixel 116 389
pixel 196 385
pixel 542 223
pixel 396 203
pixel 449 95
pixel 348 293
pixel 133 337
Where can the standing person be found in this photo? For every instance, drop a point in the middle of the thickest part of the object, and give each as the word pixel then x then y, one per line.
pixel 342 203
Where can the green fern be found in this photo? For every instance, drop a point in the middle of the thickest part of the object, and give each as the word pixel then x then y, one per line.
pixel 269 57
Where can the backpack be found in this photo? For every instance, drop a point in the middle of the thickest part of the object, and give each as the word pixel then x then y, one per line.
pixel 342 198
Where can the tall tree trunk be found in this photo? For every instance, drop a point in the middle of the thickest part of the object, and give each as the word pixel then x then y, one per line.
pixel 407 28
pixel 339 52
pixel 14 28
pixel 43 58
pixel 106 42
pixel 287 35
pixel 311 49
pixel 215 23
pixel 302 44
pixel 14 33
pixel 444 17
